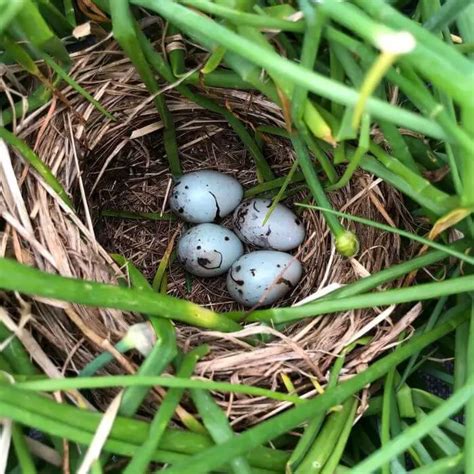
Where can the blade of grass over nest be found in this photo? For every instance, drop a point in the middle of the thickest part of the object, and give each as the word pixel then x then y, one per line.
pixel 267 186
pixel 443 442
pixel 161 67
pixel 332 463
pixel 77 87
pixel 127 434
pixel 212 458
pixel 35 161
pixel 346 242
pixel 388 407
pixel 22 57
pixel 242 18
pixel 25 461
pixel 164 348
pixel 361 150
pixel 189 20
pixel 163 352
pixel 164 414
pixel 146 380
pixel 394 230
pixel 281 191
pixel 9 9
pixel 420 292
pixel 302 110
pixel 264 171
pixel 418 430
pixel 124 30
pixel 420 185
pixel 18 277
pixel 105 358
pixel 152 216
pixel 30 22
pixel 385 13
pixel 469 411
pixel 398 145
pixel 217 424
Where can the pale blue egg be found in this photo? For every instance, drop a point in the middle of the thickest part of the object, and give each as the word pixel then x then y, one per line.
pixel 263 277
pixel 282 231
pixel 205 196
pixel 209 250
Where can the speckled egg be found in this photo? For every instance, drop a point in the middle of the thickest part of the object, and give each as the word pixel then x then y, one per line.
pixel 282 231
pixel 208 250
pixel 204 196
pixel 264 275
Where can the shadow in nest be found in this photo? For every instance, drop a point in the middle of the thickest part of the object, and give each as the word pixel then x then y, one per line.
pixel 109 166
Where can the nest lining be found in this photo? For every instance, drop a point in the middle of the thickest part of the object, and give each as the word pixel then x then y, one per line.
pixel 121 165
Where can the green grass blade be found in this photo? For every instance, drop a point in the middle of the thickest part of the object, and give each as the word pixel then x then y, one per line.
pixel 18 277
pixel 35 161
pixel 22 452
pixel 9 9
pixel 419 292
pixel 148 380
pixel 346 242
pixel 217 424
pixel 126 436
pixel 38 33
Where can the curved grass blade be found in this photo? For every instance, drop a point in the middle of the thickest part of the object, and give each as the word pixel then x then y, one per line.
pixel 165 381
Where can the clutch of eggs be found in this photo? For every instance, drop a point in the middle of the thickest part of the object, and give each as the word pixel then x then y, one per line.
pixel 208 250
pixel 282 231
pixel 205 196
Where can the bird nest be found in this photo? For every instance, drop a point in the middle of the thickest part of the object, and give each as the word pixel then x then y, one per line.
pixel 108 166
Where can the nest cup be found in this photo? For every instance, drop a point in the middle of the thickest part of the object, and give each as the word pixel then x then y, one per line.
pixel 111 166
